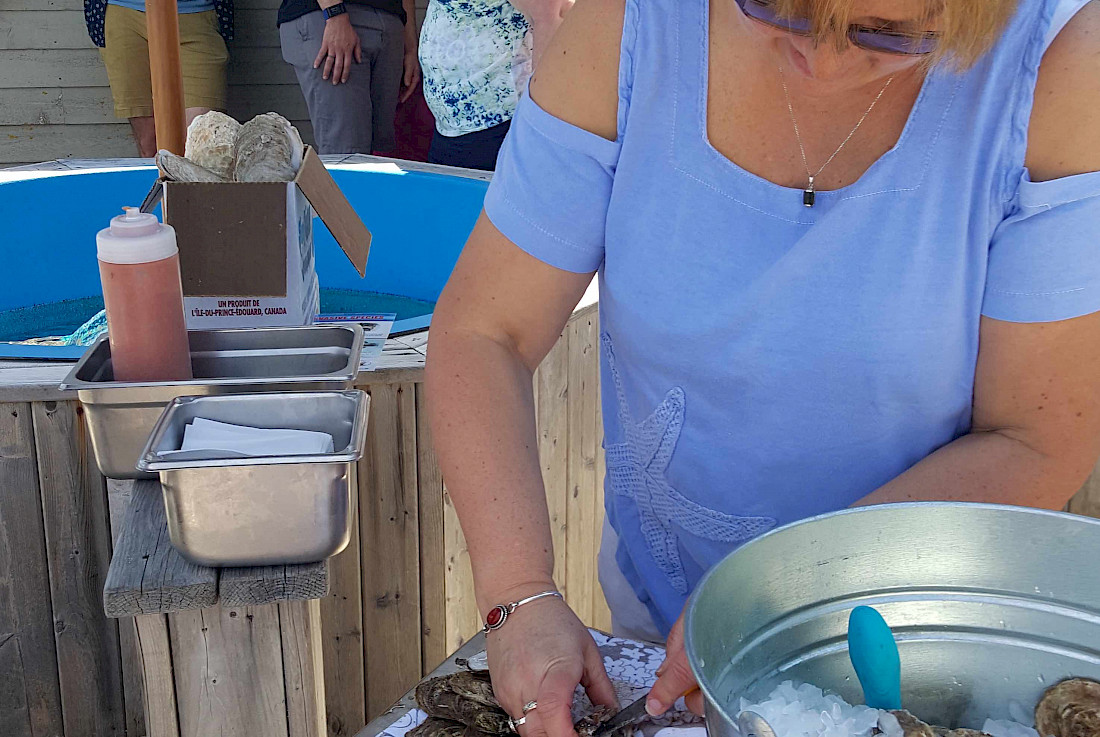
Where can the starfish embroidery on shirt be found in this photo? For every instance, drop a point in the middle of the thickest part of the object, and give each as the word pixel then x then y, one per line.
pixel 637 469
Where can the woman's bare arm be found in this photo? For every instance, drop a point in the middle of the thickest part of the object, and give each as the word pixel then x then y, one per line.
pixel 1036 427
pixel 501 312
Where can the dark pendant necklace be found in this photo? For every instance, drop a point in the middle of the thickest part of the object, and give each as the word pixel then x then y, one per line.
pixel 809 195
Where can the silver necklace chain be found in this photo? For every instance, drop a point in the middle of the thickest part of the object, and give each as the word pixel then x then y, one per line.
pixel 809 195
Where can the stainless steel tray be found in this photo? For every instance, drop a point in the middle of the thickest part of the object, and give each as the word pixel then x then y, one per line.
pixel 121 415
pixel 263 510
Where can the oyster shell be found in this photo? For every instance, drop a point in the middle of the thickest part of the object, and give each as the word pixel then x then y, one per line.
pixel 465 701
pixel 1069 709
pixel 268 149
pixel 911 726
pixel 438 728
pixel 463 697
pixel 586 726
pixel 212 143
pixel 179 169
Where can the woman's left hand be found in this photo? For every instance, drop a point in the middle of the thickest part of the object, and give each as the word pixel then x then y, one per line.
pixel 674 677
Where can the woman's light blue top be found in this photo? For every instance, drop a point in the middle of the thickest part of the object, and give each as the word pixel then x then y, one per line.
pixel 763 361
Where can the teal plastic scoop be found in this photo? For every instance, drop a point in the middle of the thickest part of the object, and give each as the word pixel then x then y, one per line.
pixel 874 656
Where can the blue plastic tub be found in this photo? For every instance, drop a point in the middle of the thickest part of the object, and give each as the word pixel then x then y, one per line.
pixel 50 280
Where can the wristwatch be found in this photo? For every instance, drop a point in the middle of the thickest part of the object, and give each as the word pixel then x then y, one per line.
pixel 334 10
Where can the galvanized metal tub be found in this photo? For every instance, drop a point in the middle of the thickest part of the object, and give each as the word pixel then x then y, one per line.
pixel 121 415
pixel 226 511
pixel 990 604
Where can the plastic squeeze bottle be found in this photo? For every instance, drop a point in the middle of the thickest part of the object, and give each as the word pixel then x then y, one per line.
pixel 139 267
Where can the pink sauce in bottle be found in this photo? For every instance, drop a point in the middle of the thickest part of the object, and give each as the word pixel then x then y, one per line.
pixel 139 268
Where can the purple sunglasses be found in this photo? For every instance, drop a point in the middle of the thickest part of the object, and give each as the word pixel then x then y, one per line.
pixel 865 37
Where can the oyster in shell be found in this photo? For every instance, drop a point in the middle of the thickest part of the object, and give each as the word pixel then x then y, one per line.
pixel 1069 709
pixel 438 728
pixel 911 726
pixel 179 169
pixel 268 149
pixel 463 705
pixel 463 697
pixel 586 726
pixel 212 143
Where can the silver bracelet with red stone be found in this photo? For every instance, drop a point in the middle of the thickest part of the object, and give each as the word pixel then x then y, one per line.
pixel 496 617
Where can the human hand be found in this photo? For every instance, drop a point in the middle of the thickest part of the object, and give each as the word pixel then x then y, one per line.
pixel 339 46
pixel 411 77
pixel 541 654
pixel 674 677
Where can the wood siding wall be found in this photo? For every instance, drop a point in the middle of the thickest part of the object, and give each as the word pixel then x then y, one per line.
pixel 55 102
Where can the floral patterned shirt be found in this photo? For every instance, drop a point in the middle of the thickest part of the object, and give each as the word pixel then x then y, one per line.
pixel 476 56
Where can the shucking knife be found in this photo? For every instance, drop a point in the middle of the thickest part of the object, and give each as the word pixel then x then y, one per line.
pixel 630 715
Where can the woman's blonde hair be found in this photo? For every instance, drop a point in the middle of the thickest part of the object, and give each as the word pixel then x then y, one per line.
pixel 967 28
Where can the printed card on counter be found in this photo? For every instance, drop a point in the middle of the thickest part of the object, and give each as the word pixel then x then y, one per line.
pixel 376 329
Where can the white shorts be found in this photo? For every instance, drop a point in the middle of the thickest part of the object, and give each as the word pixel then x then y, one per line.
pixel 630 618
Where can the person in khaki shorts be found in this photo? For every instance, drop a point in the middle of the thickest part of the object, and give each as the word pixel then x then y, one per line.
pixel 118 28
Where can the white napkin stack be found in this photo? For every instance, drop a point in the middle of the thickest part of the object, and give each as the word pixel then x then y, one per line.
pixel 219 437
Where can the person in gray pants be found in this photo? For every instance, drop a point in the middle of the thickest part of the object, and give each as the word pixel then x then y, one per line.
pixel 354 61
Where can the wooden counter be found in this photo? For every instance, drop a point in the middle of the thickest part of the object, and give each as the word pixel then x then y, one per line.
pixel 400 595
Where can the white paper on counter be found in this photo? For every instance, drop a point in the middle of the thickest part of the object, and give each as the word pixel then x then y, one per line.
pixel 632 667
pixel 209 435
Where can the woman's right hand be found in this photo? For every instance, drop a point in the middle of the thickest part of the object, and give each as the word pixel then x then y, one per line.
pixel 540 654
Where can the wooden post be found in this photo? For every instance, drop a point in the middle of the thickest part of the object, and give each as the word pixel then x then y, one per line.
pixel 166 76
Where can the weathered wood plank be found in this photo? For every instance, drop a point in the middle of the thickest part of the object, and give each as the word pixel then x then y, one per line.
pixel 581 534
pixel 1087 500
pixel 30 29
pixel 147 574
pixel 93 105
pixel 30 694
pixel 602 615
pixel 342 634
pixel 463 618
pixel 228 665
pixel 38 143
pixel 119 494
pixel 303 668
pixel 388 532
pixel 269 584
pixel 47 142
pixel 433 562
pixel 246 101
pixel 52 68
pixel 74 503
pixel 84 68
pixel 158 682
pixel 553 436
pixel 46 5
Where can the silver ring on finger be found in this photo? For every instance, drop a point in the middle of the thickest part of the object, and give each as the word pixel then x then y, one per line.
pixel 514 723
pixel 530 706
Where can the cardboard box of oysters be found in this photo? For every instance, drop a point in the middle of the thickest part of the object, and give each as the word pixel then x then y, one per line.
pixel 241 200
